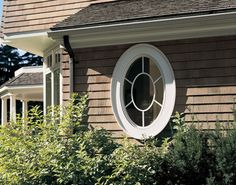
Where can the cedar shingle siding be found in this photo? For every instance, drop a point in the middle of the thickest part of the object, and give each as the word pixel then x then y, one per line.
pixel 38 15
pixel 204 70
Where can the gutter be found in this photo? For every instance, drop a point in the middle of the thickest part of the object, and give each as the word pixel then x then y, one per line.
pixel 135 23
pixel 69 49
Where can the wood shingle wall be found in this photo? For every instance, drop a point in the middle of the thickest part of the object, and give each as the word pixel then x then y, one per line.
pixel 205 72
pixel 38 15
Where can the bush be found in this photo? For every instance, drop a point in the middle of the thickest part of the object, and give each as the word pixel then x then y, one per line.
pixel 224 141
pixel 46 152
pixel 61 150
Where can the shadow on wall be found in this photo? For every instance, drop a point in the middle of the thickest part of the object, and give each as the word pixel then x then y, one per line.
pixel 204 71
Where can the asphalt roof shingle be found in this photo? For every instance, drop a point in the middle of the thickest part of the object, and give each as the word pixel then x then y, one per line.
pixel 131 10
pixel 25 79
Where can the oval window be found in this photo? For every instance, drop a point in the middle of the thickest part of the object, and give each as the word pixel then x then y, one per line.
pixel 143 91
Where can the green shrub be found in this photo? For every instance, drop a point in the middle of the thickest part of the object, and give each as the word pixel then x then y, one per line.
pixel 61 150
pixel 133 164
pixel 46 152
pixel 224 142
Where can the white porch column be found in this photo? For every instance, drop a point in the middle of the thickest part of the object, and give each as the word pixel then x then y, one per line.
pixel 24 108
pixel 12 107
pixel 4 111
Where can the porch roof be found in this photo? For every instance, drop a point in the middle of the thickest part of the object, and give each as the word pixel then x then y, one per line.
pixel 25 79
pixel 136 10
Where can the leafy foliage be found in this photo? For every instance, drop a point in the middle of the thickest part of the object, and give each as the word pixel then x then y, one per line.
pixel 46 152
pixel 11 60
pixel 61 149
pixel 224 141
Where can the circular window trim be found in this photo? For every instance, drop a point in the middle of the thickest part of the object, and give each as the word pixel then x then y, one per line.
pixel 117 84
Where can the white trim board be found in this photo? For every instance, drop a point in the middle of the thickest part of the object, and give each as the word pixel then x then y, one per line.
pixel 29 69
pixel 26 87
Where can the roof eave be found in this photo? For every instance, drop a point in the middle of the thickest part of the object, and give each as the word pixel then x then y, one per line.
pixel 5 89
pixel 35 43
pixel 150 30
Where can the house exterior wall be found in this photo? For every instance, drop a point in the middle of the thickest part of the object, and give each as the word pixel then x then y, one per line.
pixel 65 72
pixel 205 73
pixel 38 15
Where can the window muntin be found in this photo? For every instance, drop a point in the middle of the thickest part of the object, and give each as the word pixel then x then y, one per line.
pixel 57 58
pixel 143 91
pixel 52 79
pixel 49 61
pixel 143 77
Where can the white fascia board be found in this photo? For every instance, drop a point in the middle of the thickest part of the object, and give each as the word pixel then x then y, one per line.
pixel 5 95
pixel 3 89
pixel 35 43
pixel 29 88
pixel 29 69
pixel 24 87
pixel 220 24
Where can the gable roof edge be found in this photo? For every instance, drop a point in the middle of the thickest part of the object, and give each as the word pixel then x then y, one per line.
pixel 150 30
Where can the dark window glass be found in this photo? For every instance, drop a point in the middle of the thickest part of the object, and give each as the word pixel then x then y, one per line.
pixel 143 81
pixel 57 87
pixel 134 70
pixel 48 90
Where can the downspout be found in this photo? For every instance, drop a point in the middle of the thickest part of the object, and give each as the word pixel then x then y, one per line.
pixel 71 61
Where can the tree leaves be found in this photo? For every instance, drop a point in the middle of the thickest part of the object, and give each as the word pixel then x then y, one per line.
pixel 11 60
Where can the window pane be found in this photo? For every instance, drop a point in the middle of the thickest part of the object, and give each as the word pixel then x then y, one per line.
pixel 57 87
pixel 49 61
pixel 127 92
pixel 159 91
pixel 134 69
pixel 151 114
pixel 57 58
pixel 48 90
pixel 153 70
pixel 134 114
pixel 143 91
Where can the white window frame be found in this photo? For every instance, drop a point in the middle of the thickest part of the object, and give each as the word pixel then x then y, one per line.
pixel 118 78
pixel 50 70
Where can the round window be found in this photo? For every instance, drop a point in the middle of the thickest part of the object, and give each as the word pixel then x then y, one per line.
pixel 143 91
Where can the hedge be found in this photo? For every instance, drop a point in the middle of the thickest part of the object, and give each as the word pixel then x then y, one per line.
pixel 62 150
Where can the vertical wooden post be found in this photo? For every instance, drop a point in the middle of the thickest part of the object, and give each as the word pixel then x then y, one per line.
pixel 4 111
pixel 12 107
pixel 24 109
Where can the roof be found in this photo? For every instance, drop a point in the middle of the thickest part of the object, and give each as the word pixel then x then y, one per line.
pixel 135 10
pixel 25 79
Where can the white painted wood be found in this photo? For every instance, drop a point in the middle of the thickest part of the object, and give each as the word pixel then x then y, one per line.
pixel 118 78
pixel 24 109
pixel 4 111
pixel 12 107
